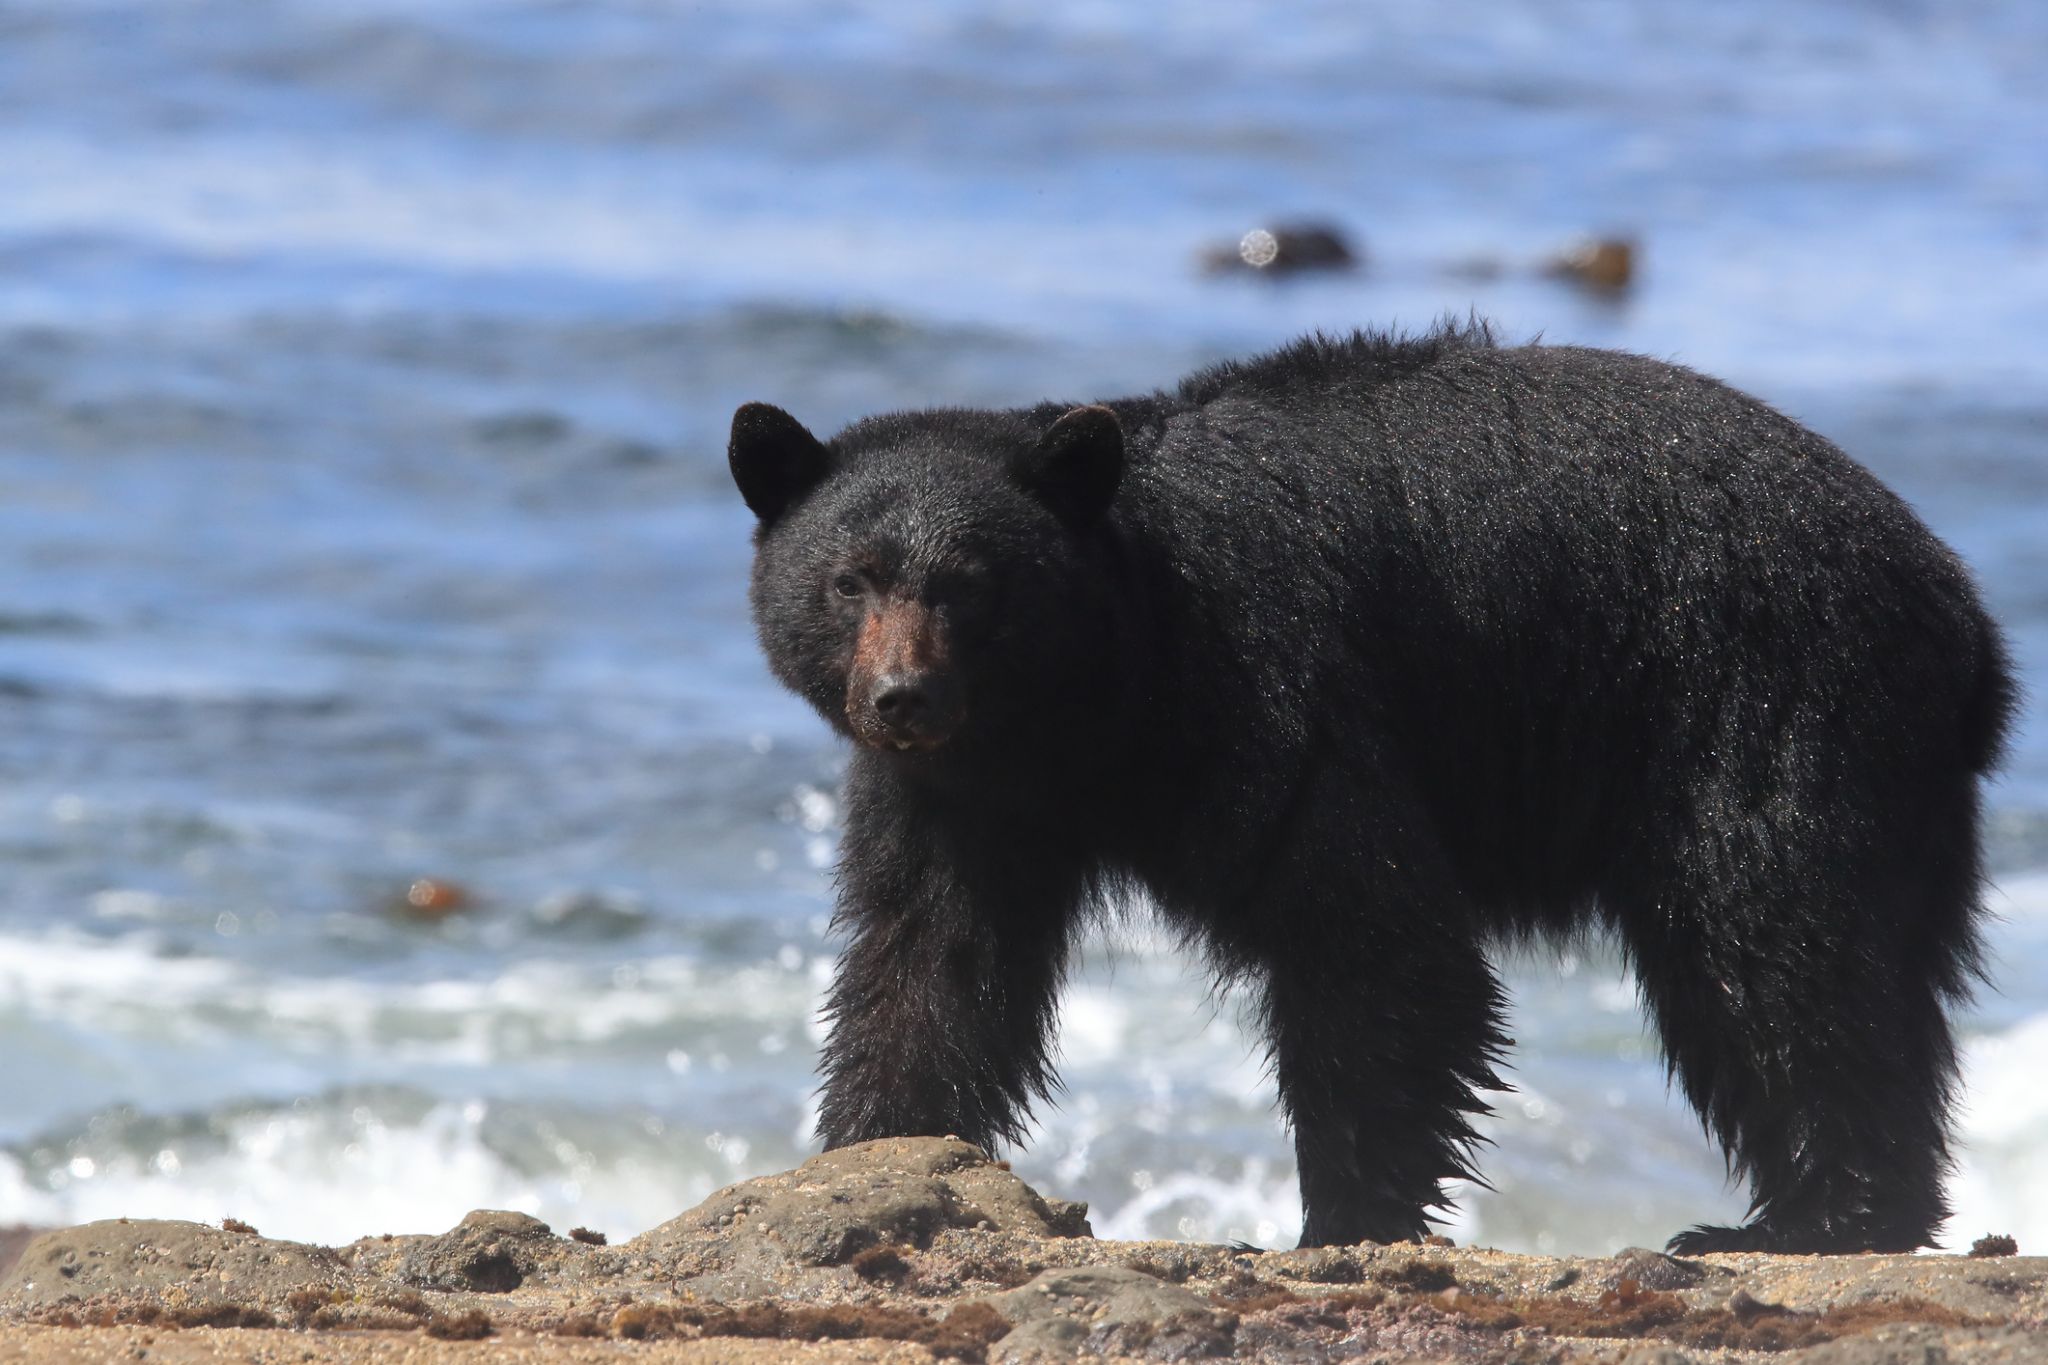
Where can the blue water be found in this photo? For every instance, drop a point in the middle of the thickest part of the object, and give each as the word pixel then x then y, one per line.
pixel 364 372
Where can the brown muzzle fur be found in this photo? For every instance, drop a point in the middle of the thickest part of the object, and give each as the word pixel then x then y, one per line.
pixel 901 692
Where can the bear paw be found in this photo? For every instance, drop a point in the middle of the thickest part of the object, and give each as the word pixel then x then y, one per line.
pixel 1705 1238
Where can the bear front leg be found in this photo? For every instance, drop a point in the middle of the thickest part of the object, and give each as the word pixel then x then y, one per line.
pixel 942 1011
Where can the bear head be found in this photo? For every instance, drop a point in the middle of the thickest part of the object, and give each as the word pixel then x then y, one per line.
pixel 929 581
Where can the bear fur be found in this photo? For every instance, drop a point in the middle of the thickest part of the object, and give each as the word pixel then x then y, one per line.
pixel 1362 659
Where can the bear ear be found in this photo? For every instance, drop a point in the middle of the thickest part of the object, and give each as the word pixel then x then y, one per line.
pixel 1076 466
pixel 774 459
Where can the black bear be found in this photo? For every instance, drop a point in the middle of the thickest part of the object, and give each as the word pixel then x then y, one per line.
pixel 1359 659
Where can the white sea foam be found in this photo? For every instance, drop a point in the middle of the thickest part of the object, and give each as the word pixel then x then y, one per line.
pixel 2001 1181
pixel 294 1175
pixel 1168 1122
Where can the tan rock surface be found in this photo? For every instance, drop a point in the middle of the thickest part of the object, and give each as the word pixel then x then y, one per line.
pixel 121 1256
pixel 919 1249
pixel 98 1346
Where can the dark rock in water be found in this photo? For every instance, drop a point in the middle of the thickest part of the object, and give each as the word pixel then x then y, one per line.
pixel 432 898
pixel 489 1252
pixel 1605 265
pixel 895 1191
pixel 131 1255
pixel 1110 1310
pixel 1284 249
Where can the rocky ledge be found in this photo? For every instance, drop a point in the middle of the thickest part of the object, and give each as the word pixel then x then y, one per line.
pixel 921 1249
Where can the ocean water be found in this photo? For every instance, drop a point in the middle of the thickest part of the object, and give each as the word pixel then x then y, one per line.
pixel 364 372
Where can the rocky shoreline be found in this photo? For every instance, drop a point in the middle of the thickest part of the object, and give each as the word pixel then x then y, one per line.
pixel 924 1249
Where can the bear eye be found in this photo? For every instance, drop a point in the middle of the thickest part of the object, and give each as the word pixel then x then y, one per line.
pixel 846 585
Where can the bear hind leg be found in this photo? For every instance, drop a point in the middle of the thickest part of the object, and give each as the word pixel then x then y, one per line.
pixel 1798 979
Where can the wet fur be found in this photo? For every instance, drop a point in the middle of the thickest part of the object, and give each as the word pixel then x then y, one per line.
pixel 1374 653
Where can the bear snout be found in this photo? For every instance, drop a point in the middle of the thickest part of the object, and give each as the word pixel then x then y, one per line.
pixel 900 694
pixel 910 711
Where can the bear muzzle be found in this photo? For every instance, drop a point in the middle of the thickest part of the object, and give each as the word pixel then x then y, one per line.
pixel 910 712
pixel 901 695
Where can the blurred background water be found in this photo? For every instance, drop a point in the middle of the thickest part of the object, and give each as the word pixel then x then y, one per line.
pixel 364 371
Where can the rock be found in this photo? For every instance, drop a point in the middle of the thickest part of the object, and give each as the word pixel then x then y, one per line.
pixel 900 1191
pixel 1284 249
pixel 491 1251
pixel 1602 265
pixel 12 1240
pixel 432 898
pixel 1658 1355
pixel 1650 1270
pixel 767 1268
pixel 1109 1310
pixel 1923 1345
pixel 137 1255
pixel 1318 1265
pixel 1746 1309
pixel 1996 1289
